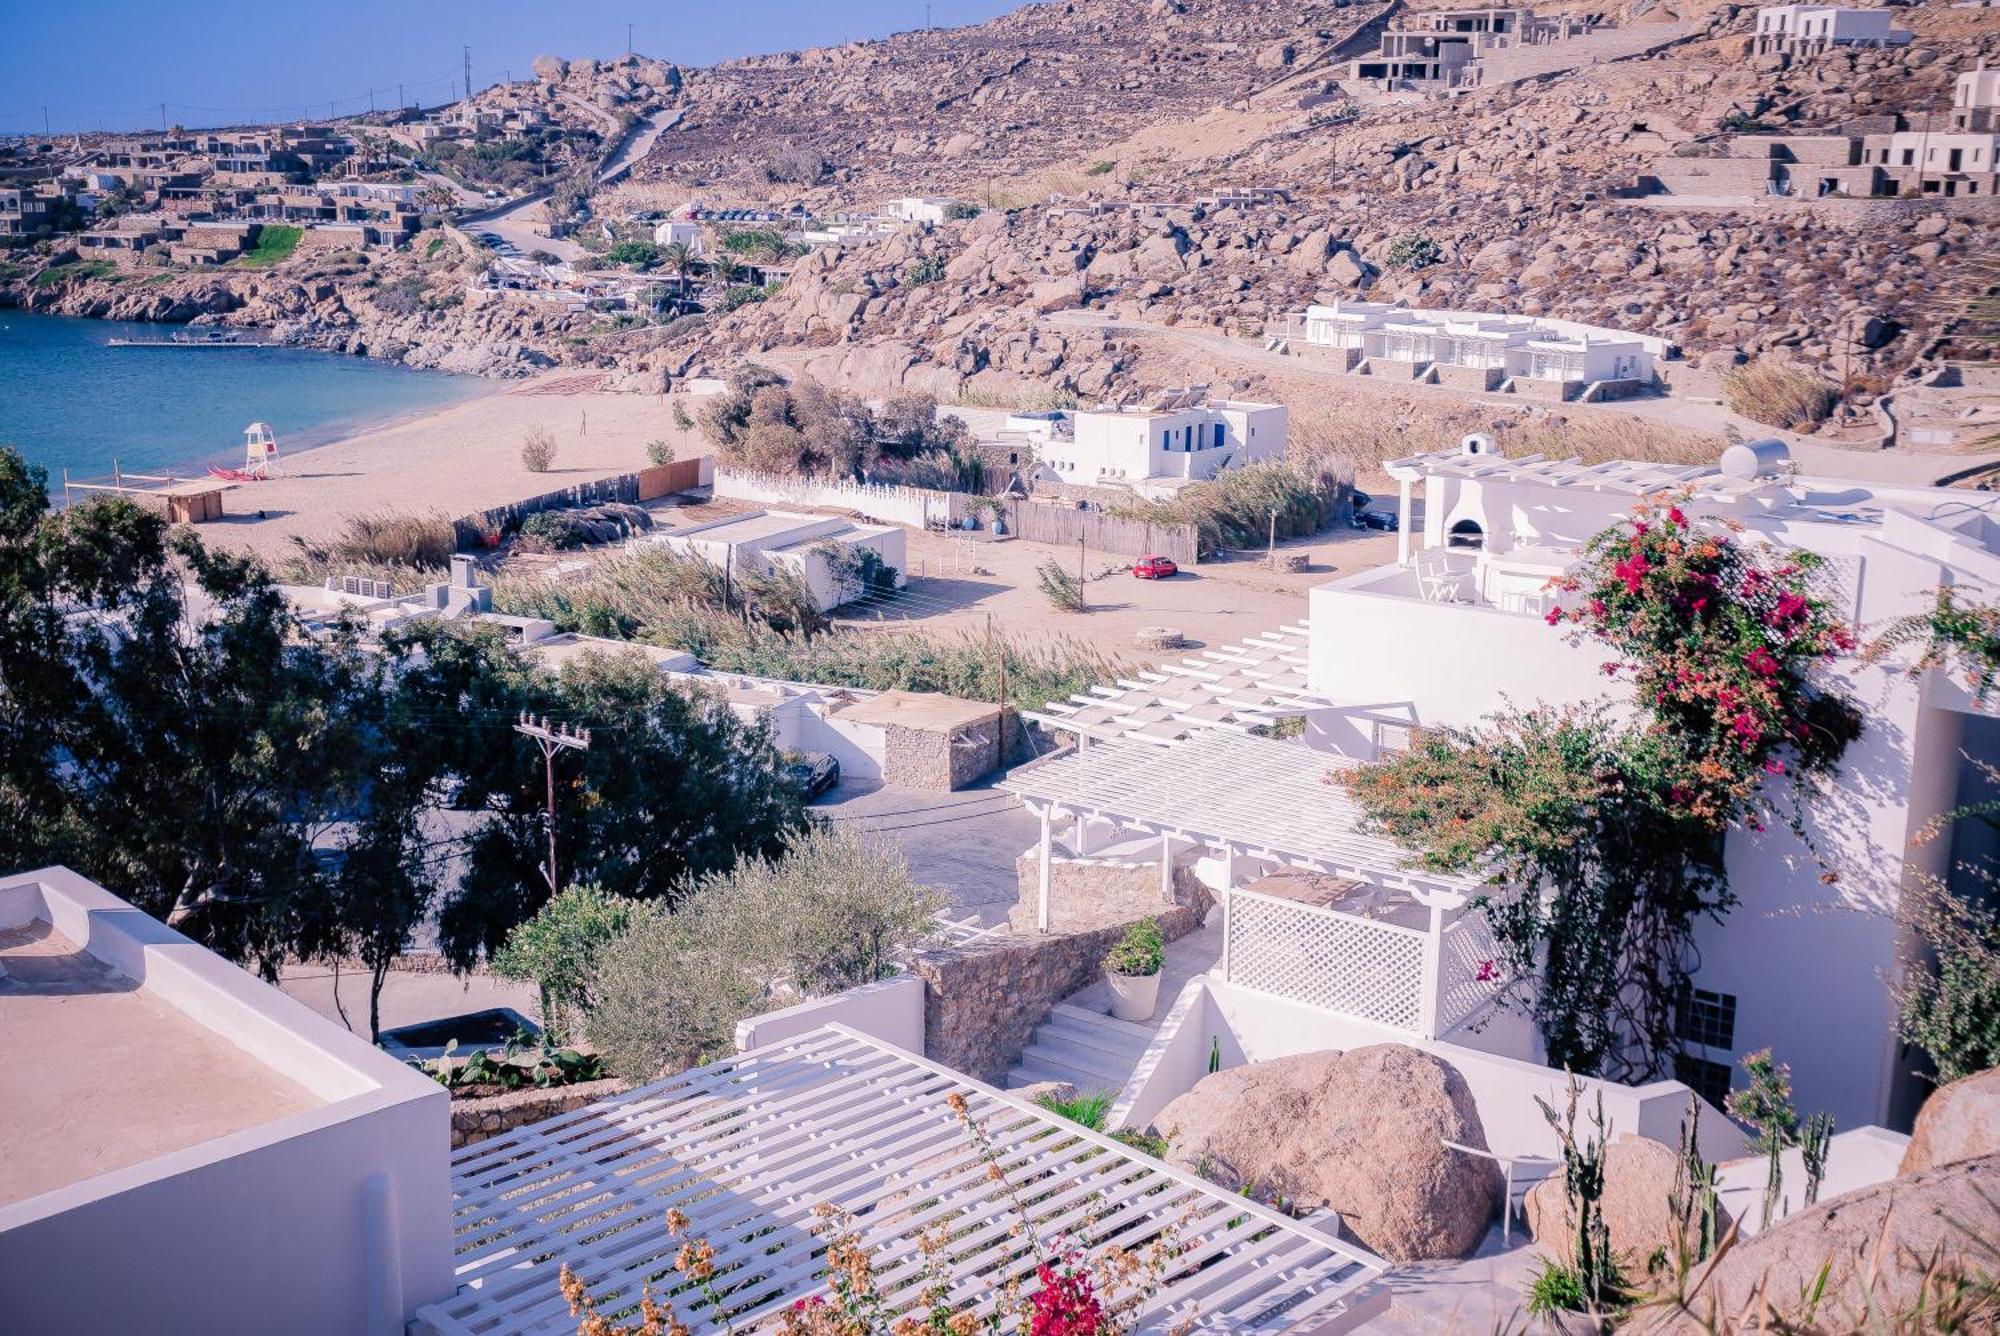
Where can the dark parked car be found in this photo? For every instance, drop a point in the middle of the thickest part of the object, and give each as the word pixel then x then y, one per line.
pixel 1375 519
pixel 1362 500
pixel 1154 568
pixel 813 773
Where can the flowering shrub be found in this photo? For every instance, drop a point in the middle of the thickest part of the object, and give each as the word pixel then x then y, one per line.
pixel 1955 632
pixel 1719 642
pixel 1076 1292
pixel 1610 833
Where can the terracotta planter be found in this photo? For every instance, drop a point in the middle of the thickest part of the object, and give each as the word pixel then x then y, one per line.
pixel 1133 996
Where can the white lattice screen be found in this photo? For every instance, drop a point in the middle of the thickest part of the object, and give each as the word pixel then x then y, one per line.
pixel 1374 971
pixel 1468 952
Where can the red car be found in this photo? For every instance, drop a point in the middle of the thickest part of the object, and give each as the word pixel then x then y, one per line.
pixel 1154 568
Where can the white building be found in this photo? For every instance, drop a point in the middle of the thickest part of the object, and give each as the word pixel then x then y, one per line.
pixel 679 232
pixel 1165 446
pixel 376 606
pixel 1792 30
pixel 1455 631
pixel 1486 350
pixel 931 209
pixel 191 1151
pixel 823 551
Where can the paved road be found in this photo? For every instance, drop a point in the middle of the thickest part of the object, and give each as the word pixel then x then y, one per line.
pixel 517 224
pixel 964 843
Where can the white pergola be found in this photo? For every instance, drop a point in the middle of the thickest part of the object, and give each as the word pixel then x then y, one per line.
pixel 1252 798
pixel 1229 688
pixel 747 1149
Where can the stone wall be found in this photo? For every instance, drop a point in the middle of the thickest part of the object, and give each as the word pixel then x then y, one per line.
pixel 1390 369
pixel 1089 893
pixel 1475 378
pixel 1549 391
pixel 983 1001
pixel 928 758
pixel 481 1119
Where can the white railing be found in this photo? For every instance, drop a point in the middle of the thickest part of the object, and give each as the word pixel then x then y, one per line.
pixel 1358 967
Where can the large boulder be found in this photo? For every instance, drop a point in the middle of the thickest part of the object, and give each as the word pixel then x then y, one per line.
pixel 1875 1245
pixel 1960 1121
pixel 1638 1179
pixel 1361 1132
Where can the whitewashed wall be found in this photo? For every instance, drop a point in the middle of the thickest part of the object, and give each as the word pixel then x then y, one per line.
pixel 912 506
pixel 332 1221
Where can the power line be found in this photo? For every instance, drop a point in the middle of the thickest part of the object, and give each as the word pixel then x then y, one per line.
pixel 551 741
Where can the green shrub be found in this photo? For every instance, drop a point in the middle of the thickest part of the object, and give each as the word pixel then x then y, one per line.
pixel 659 451
pixel 1140 953
pixel 483 1072
pixel 1099 168
pixel 958 210
pixel 1063 590
pixel 1951 1006
pixel 831 912
pixel 926 269
pixel 1556 1288
pixel 1084 1110
pixel 1779 394
pixel 1414 252
pixel 553 531
pixel 554 950
pixel 741 295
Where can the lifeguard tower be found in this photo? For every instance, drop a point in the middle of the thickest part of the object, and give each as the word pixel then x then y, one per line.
pixel 260 451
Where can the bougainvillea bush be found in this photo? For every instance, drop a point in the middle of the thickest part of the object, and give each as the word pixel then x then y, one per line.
pixel 1607 825
pixel 1722 644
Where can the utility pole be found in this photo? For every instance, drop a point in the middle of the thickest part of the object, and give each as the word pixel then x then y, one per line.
pixel 45 120
pixel 401 102
pixel 163 118
pixel 1083 603
pixel 551 741
pixel 468 73
pixel 1000 730
pixel 628 39
pixel 1271 553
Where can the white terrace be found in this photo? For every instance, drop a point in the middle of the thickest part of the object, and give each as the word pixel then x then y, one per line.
pixel 747 1149
pixel 1233 688
pixel 1390 942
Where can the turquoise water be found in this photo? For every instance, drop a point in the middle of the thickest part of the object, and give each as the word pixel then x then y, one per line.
pixel 68 400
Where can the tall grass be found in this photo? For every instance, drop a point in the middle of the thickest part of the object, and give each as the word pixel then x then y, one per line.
pixel 1238 508
pixel 660 598
pixel 421 543
pixel 1779 394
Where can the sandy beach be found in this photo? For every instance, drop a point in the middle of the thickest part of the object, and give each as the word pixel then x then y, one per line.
pixel 454 461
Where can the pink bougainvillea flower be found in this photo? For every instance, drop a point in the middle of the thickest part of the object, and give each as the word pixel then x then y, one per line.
pixel 1675 517
pixel 1762 662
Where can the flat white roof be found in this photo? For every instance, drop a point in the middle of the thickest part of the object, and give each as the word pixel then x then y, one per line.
pixel 747 1148
pixel 1268 799
pixel 1626 476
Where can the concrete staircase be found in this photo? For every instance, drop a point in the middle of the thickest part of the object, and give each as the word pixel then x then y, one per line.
pixel 1087 1049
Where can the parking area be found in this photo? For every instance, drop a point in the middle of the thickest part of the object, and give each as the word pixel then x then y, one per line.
pixel 964 842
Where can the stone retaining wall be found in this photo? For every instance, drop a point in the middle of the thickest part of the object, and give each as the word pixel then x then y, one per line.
pixel 474 1120
pixel 983 1001
pixel 929 758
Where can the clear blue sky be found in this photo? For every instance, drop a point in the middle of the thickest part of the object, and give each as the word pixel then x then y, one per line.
pixel 112 62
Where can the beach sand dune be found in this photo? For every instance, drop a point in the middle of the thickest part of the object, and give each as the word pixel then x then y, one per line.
pixel 452 461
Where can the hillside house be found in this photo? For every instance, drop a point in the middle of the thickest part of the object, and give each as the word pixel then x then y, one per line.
pixel 831 555
pixel 1477 350
pixel 1441 49
pixel 680 232
pixel 928 209
pixel 1181 438
pixel 1796 30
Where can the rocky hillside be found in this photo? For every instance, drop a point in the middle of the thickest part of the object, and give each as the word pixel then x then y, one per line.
pixel 1510 197
pixel 973 109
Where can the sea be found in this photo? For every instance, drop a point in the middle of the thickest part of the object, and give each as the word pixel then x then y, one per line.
pixel 69 400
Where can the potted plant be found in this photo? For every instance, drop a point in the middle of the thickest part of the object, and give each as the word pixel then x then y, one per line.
pixel 1132 968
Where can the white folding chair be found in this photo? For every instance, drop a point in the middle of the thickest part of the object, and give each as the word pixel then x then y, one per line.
pixel 1539 1166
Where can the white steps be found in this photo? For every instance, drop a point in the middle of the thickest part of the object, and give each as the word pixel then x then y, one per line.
pixel 1086 1049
